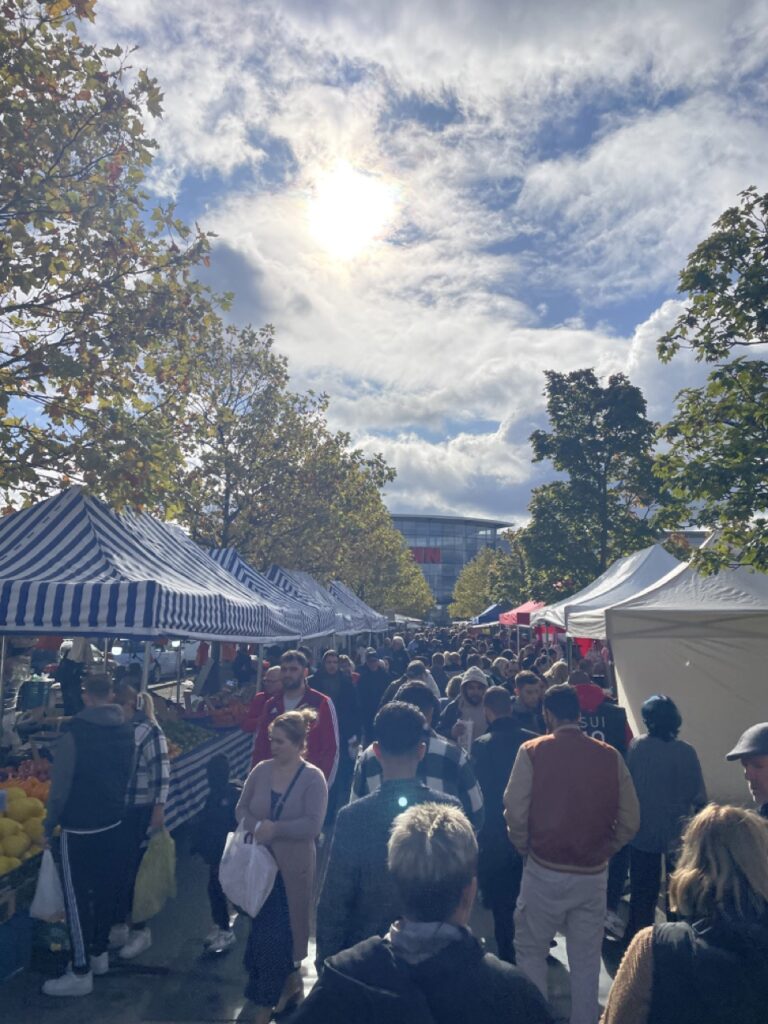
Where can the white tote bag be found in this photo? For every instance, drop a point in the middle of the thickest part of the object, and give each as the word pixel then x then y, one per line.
pixel 48 901
pixel 247 871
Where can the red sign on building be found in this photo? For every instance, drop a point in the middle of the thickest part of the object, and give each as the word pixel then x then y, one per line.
pixel 427 556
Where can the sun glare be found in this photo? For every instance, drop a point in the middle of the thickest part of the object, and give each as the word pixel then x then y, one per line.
pixel 349 210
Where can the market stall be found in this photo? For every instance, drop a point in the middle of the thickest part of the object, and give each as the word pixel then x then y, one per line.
pixel 373 621
pixel 703 640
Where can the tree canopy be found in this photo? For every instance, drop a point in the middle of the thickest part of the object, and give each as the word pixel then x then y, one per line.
pixel 716 460
pixel 99 310
pixel 602 440
pixel 472 593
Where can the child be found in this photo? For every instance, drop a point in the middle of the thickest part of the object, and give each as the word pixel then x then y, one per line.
pixel 217 818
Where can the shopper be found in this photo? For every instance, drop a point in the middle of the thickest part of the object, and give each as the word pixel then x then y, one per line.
pixel 358 897
pixel 338 687
pixel 272 681
pixel 569 806
pixel 711 967
pixel 500 867
pixel 670 787
pixel 286 797
pixel 752 751
pixel 217 819
pixel 89 785
pixel 144 814
pixel 444 767
pixel 464 719
pixel 323 739
pixel 373 682
pixel 429 969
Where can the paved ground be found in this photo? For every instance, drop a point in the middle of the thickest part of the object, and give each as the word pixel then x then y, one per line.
pixel 176 983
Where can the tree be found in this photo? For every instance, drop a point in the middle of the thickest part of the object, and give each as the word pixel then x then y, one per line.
pixel 264 473
pixel 100 315
pixel 508 573
pixel 716 463
pixel 601 438
pixel 472 593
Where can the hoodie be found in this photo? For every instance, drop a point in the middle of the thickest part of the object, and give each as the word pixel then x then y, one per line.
pixel 92 767
pixel 371 984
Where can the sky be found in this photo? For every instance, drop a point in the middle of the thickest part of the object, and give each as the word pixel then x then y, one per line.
pixel 435 202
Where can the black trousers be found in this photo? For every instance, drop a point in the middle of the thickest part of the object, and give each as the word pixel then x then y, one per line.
pixel 617 876
pixel 645 882
pixel 90 869
pixel 499 877
pixel 217 899
pixel 133 835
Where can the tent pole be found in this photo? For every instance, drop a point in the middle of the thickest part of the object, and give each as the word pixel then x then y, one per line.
pixel 106 652
pixel 178 673
pixel 2 682
pixel 145 667
pixel 259 666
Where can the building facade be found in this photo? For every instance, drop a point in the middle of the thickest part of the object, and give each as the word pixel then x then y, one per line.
pixel 442 546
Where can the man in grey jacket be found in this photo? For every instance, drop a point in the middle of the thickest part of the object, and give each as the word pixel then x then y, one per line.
pixel 358 897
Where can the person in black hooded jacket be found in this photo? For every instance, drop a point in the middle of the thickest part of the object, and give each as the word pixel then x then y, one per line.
pixel 342 692
pixel 429 969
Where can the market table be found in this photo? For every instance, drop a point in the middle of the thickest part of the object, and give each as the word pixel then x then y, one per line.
pixel 189 781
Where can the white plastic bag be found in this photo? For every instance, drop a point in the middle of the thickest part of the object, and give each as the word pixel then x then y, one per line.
pixel 48 901
pixel 247 871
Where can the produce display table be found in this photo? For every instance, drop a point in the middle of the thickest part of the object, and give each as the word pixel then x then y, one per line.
pixel 189 782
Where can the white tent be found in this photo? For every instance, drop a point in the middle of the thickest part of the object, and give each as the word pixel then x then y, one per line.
pixel 626 576
pixel 585 615
pixel 702 640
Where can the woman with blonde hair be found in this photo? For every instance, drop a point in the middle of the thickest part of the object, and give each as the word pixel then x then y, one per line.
pixel 283 804
pixel 557 674
pixel 712 966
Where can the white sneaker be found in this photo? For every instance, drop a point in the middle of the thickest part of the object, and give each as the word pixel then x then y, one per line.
pixel 139 941
pixel 69 984
pixel 100 964
pixel 223 941
pixel 118 935
pixel 614 925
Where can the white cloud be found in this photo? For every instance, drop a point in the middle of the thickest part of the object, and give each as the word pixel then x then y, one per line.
pixel 432 344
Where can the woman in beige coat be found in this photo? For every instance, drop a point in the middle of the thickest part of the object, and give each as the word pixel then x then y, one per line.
pixel 283 803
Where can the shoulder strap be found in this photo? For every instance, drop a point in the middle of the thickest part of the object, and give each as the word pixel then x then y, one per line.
pixel 282 801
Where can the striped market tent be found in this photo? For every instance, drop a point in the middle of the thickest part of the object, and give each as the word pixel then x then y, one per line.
pixel 71 565
pixel 304 587
pixel 373 621
pixel 309 619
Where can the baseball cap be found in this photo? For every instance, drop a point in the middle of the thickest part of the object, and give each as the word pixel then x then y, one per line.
pixel 753 741
pixel 371 652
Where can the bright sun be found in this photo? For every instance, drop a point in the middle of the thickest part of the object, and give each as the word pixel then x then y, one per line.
pixel 349 210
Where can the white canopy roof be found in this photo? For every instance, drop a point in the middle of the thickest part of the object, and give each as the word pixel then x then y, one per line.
pixel 585 616
pixel 624 577
pixel 702 640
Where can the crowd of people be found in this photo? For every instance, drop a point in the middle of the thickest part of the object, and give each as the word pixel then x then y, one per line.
pixel 424 774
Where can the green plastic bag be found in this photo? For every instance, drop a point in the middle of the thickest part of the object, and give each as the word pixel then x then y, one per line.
pixel 156 880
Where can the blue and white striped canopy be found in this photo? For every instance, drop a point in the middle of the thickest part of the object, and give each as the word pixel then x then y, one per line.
pixel 308 619
pixel 71 565
pixel 373 621
pixel 304 587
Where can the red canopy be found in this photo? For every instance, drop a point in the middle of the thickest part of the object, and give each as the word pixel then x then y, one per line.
pixel 520 616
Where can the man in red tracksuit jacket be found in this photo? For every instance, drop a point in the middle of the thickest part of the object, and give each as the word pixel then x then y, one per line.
pixel 323 739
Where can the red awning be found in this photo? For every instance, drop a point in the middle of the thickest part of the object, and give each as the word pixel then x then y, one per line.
pixel 520 616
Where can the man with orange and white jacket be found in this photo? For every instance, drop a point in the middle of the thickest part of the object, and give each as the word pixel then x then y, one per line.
pixel 569 806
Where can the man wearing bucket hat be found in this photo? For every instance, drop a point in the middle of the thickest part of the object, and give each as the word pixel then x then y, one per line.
pixel 464 718
pixel 752 751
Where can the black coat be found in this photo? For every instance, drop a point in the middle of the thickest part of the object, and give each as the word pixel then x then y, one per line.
pixel 343 692
pixel 368 984
pixel 370 689
pixel 493 755
pixel 215 821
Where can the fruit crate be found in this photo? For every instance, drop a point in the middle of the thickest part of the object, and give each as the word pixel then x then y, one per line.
pixel 15 945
